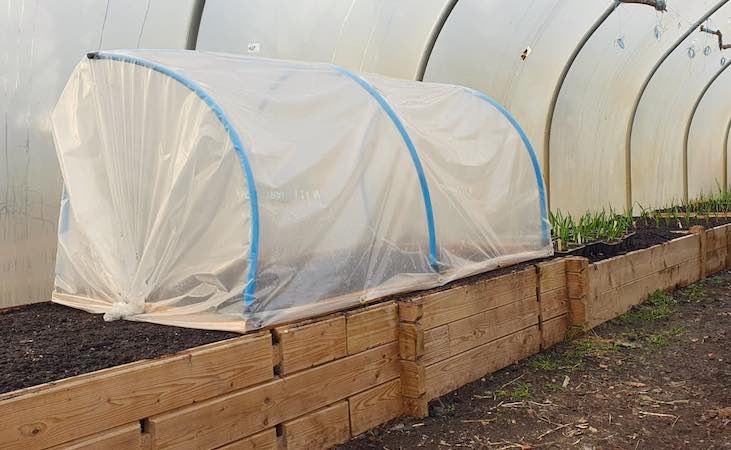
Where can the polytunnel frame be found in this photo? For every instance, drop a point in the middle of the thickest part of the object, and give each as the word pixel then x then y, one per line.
pixel 643 89
pixel 630 126
pixel 725 156
pixel 686 135
pixel 249 292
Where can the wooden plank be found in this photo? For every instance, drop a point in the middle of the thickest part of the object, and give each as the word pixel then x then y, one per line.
pixel 551 275
pixel 716 260
pixel 266 440
pixel 375 406
pixel 412 379
pixel 680 250
pixel 122 438
pixel 716 238
pixel 436 344
pixel 681 215
pixel 553 303
pixel 701 233
pixel 554 331
pixel 450 374
pixel 320 430
pixel 482 328
pixel 371 327
pixel 411 310
pixel 246 412
pixel 620 270
pixel 578 286
pixel 467 300
pixel 681 275
pixel 416 407
pixel 305 346
pixel 80 406
pixel 411 341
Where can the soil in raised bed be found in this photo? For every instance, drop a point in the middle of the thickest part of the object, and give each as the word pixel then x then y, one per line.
pixel 646 234
pixel 46 342
pixel 655 378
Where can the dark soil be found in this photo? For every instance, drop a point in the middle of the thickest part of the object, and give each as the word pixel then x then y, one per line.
pixel 47 342
pixel 658 377
pixel 646 234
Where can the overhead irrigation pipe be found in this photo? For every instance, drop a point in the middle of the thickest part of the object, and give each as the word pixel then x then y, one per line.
pixel 718 33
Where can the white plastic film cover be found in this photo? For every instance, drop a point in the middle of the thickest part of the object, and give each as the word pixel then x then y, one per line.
pixel 227 192
pixel 660 165
pixel 706 139
pixel 388 37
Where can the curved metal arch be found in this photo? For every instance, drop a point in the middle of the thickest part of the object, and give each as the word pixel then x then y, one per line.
pixel 426 56
pixel 373 92
pixel 725 156
pixel 638 99
pixel 233 135
pixel 557 91
pixel 545 233
pixel 690 123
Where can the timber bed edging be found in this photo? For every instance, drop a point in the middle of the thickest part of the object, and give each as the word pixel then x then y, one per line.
pixel 320 382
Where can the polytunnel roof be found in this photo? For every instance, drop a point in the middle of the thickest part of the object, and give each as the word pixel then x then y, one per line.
pixel 253 99
pixel 392 38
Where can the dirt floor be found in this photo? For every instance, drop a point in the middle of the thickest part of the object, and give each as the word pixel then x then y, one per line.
pixel 658 377
pixel 47 342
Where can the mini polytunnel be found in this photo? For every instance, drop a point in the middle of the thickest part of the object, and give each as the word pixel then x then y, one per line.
pixel 227 192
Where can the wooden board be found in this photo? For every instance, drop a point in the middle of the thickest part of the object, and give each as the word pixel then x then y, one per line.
pixel 375 406
pixel 577 290
pixel 319 430
pixel 436 344
pixel 467 300
pixel 613 303
pixel 554 303
pixel 266 440
pixel 551 275
pixel 554 331
pixel 80 406
pixel 450 374
pixel 716 260
pixel 412 379
pixel 372 326
pixel 681 250
pixel 305 346
pixel 411 341
pixel 482 328
pixel 246 412
pixel 121 438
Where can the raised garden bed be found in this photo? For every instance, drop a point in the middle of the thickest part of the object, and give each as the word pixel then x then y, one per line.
pixel 316 383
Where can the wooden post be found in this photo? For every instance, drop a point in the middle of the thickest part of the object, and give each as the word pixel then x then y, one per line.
pixel 577 280
pixel 411 351
pixel 701 232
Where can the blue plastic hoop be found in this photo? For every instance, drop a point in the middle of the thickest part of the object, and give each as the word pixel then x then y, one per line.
pixel 250 289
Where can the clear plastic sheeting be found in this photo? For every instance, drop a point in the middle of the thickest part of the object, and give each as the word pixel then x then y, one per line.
pixel 228 192
pixel 589 168
pixel 707 137
pixel 514 52
pixel 659 165
pixel 388 37
pixel 40 43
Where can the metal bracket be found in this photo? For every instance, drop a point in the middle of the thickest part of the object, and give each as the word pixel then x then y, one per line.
pixel 721 45
pixel 659 5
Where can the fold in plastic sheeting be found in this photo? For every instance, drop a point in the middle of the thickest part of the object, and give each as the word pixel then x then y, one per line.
pixel 224 192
